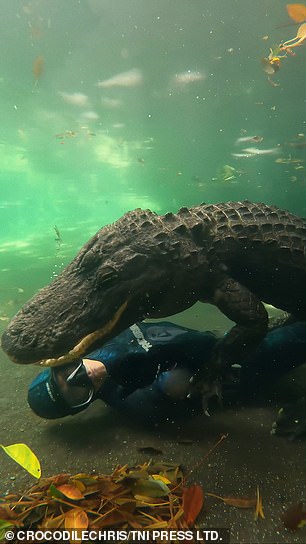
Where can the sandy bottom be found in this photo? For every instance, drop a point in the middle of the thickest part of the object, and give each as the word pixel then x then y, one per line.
pixel 100 438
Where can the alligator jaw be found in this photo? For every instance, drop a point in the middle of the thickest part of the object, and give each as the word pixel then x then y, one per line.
pixel 84 345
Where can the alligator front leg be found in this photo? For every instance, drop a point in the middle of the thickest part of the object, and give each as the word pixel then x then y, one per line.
pixel 247 311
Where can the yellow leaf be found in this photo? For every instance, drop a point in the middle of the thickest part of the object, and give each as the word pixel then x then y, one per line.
pixel 161 478
pixel 258 508
pixel 23 455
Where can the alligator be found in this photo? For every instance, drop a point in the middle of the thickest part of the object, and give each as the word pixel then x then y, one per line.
pixel 235 255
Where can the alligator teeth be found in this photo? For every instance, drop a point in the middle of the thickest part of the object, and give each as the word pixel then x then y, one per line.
pixel 84 345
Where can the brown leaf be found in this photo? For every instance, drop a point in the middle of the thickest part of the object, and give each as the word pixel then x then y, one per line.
pixel 294 517
pixel 297 12
pixel 76 519
pixel 193 499
pixel 6 513
pixel 235 501
pixel 71 492
pixel 239 503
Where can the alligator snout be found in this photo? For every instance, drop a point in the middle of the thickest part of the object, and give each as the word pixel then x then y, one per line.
pixel 19 345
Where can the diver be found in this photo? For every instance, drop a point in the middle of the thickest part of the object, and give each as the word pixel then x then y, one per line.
pixel 147 370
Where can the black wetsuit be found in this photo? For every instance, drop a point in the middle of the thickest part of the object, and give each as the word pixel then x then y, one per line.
pixel 137 359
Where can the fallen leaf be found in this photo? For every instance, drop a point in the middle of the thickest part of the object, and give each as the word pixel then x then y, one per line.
pixel 66 490
pixel 150 488
pixel 24 456
pixel 258 508
pixel 76 519
pixel 193 499
pixel 235 501
pixel 161 478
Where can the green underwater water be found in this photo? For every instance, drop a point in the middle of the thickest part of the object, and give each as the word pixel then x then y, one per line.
pixel 109 105
pixel 180 82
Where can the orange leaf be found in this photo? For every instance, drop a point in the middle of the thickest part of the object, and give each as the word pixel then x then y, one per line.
pixel 71 492
pixel 76 519
pixel 297 12
pixel 193 499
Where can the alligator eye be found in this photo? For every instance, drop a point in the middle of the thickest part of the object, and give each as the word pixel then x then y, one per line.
pixel 106 277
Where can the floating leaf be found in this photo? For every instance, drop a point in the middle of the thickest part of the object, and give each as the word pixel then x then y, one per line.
pixel 297 12
pixel 193 499
pixel 23 455
pixel 294 517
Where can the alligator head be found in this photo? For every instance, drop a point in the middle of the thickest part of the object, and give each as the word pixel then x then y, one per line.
pixel 126 272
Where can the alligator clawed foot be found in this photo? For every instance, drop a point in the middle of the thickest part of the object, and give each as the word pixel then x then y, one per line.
pixel 291 420
pixel 205 390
